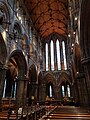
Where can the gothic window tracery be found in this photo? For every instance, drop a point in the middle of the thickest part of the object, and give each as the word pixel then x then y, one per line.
pixel 59 52
pixel 17 35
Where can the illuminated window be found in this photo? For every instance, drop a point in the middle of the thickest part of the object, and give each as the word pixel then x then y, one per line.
pixel 50 90
pixel 15 89
pixel 64 55
pixel 46 56
pixel 63 91
pixel 68 90
pixel 58 55
pixel 4 88
pixel 52 55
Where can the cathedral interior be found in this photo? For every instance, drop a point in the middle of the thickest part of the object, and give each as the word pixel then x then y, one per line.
pixel 44 59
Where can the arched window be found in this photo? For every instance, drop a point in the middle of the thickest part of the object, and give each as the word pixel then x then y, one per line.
pixel 63 91
pixel 50 90
pixel 15 89
pixel 4 88
pixel 68 90
pixel 52 55
pixel 58 55
pixel 46 48
pixel 64 55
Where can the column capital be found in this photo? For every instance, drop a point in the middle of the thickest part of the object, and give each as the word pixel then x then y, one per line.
pixel 22 78
pixel 3 67
pixel 85 60
pixel 80 75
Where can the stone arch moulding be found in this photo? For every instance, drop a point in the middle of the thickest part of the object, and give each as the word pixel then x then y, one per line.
pixel 49 77
pixel 17 28
pixel 63 77
pixel 3 50
pixel 6 13
pixel 17 57
pixel 25 42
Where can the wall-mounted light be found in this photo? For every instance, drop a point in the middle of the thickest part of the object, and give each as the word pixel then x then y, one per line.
pixel 75 18
pixel 77 72
pixel 72 44
pixel 69 35
pixel 74 32
pixel 16 41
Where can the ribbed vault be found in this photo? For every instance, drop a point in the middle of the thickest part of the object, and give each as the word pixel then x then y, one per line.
pixel 48 16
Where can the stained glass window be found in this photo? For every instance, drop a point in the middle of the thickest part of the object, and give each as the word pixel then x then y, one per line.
pixel 52 55
pixel 58 55
pixel 68 90
pixel 50 89
pixel 63 91
pixel 64 55
pixel 46 57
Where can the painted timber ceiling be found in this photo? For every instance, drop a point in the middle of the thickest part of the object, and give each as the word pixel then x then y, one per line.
pixel 48 16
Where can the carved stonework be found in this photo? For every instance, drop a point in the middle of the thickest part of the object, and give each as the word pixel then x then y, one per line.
pixel 4 16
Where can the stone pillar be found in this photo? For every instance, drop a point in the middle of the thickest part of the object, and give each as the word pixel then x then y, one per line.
pixel 84 93
pixel 3 69
pixel 76 93
pixel 82 89
pixel 44 56
pixel 60 54
pixel 43 92
pixel 21 91
pixel 86 65
pixel 57 93
pixel 40 93
pixel 34 91
pixel 72 90
pixel 49 57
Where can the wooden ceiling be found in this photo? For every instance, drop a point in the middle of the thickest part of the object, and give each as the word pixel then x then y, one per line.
pixel 48 16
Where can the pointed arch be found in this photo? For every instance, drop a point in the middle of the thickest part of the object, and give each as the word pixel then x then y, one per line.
pixel 3 50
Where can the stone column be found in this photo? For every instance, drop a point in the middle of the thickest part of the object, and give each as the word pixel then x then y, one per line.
pixel 76 93
pixel 34 91
pixel 3 69
pixel 84 92
pixel 86 65
pixel 56 93
pixel 60 54
pixel 49 57
pixel 43 58
pixel 40 93
pixel 82 89
pixel 43 92
pixel 21 90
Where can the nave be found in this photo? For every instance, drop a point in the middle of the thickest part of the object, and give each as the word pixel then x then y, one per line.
pixel 51 112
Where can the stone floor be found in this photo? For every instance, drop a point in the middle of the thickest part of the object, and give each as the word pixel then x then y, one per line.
pixel 68 113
